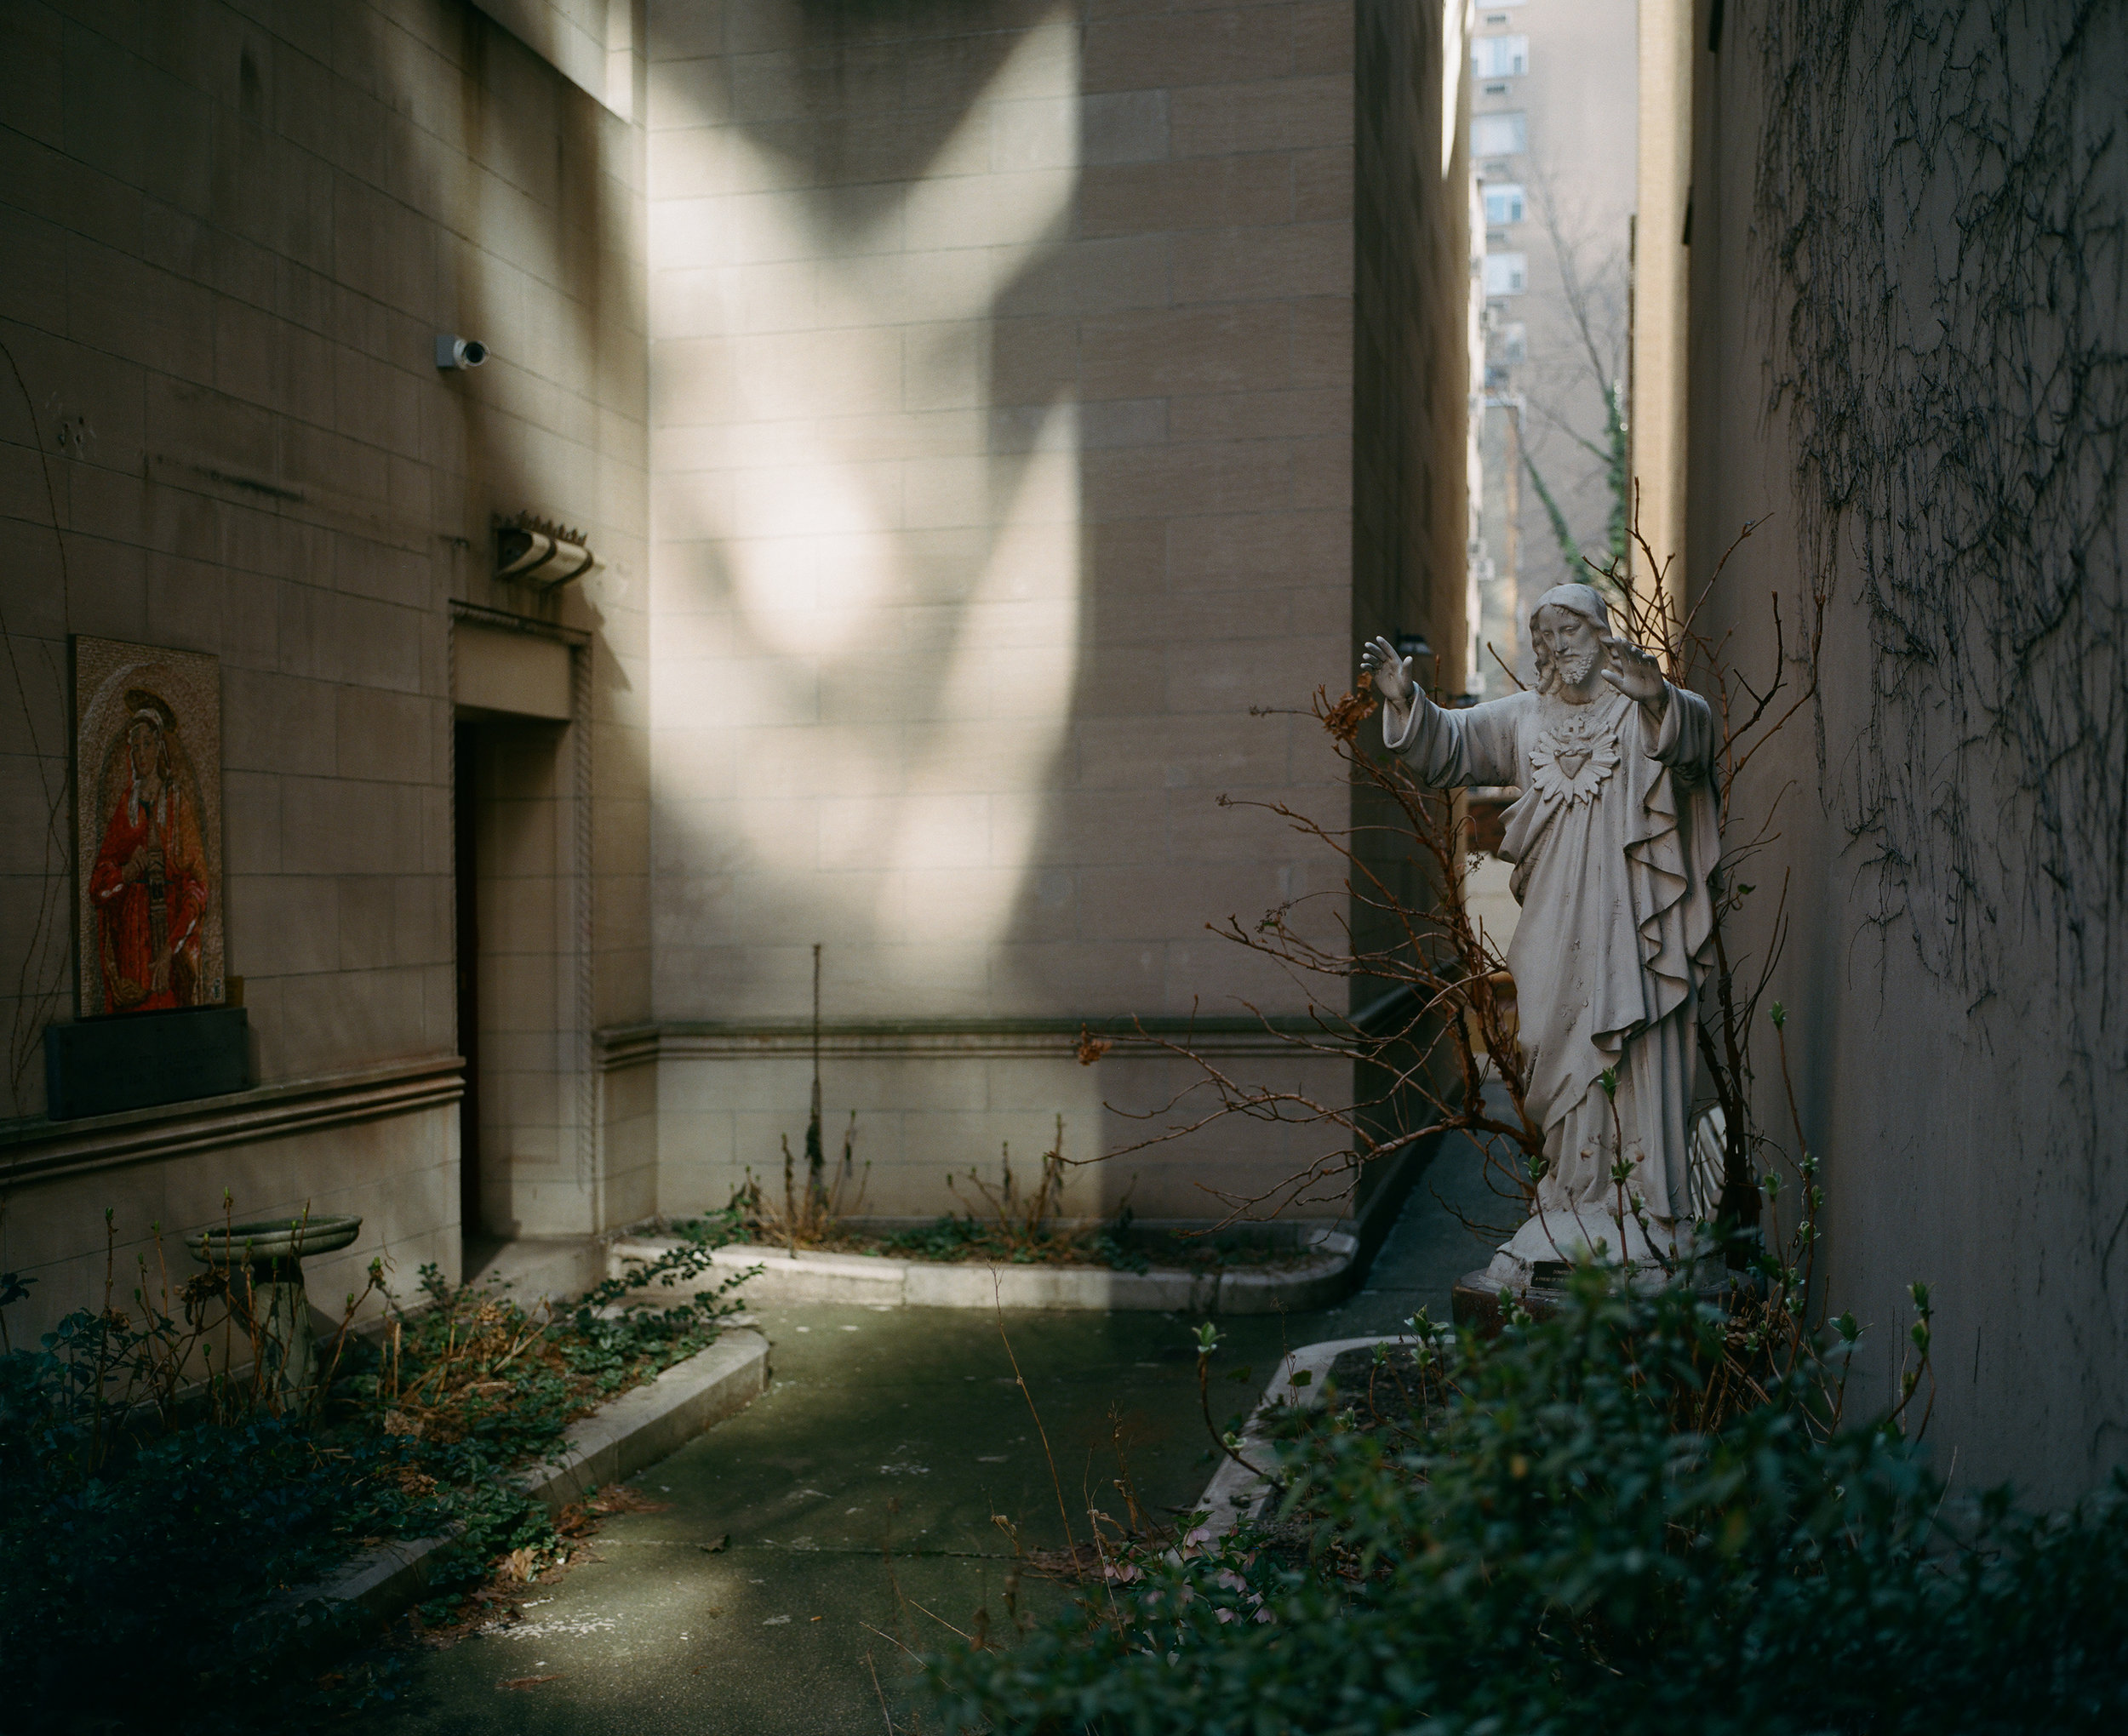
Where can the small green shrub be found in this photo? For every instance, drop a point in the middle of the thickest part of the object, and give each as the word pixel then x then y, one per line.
pixel 1541 1543
pixel 952 1239
pixel 174 1535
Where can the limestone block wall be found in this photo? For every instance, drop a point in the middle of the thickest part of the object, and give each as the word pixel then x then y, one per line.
pixel 1411 376
pixel 381 1144
pixel 934 1104
pixel 233 236
pixel 1411 373
pixel 1002 394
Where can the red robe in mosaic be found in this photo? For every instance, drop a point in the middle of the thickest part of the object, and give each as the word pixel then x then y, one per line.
pixel 155 916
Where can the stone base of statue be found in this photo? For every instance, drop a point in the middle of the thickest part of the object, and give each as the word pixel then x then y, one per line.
pixel 1534 1266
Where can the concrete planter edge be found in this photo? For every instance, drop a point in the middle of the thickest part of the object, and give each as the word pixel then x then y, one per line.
pixel 635 1429
pixel 877 1281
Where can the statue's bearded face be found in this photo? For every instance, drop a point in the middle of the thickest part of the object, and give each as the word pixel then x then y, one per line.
pixel 1574 641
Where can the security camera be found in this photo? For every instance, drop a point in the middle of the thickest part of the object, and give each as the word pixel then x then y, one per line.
pixel 459 352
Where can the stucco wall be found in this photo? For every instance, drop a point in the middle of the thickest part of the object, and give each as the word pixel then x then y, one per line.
pixel 1923 402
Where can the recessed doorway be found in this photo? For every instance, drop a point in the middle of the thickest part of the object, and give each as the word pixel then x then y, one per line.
pixel 466 872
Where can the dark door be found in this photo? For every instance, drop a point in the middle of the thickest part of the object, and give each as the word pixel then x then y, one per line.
pixel 465 764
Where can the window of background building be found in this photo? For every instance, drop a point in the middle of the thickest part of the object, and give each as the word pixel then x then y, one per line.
pixel 1503 202
pixel 1506 273
pixel 1499 56
pixel 1499 135
pixel 1513 341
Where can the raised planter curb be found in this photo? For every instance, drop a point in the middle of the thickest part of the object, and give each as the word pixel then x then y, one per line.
pixel 647 1422
pixel 1235 1492
pixel 638 1428
pixel 380 1582
pixel 877 1281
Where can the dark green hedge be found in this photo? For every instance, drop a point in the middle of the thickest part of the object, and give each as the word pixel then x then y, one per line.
pixel 1554 1554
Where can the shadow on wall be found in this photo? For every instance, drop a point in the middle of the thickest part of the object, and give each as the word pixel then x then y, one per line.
pixel 866 518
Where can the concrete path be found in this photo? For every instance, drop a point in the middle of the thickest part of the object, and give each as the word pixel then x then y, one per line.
pixel 856 1496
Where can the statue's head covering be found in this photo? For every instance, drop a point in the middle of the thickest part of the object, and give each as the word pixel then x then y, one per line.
pixel 1582 599
pixel 1585 601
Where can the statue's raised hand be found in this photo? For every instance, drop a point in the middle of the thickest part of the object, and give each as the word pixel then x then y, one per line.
pixel 1391 673
pixel 1634 673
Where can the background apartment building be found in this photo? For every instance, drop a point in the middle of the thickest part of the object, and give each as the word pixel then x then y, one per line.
pixel 1553 133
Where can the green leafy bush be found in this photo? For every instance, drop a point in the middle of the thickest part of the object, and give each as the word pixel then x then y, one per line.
pixel 176 1535
pixel 1547 1546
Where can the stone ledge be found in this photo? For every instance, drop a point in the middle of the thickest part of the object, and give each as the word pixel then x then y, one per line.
pixel 41 1149
pixel 877 1281
pixel 1235 1492
pixel 638 1428
pixel 619 1046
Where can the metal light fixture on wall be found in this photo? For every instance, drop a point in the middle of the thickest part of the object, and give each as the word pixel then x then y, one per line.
pixel 535 552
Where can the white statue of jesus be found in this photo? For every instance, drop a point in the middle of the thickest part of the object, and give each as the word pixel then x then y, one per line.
pixel 1613 842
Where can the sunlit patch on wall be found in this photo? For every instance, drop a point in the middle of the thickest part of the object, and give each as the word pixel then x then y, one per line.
pixel 878 607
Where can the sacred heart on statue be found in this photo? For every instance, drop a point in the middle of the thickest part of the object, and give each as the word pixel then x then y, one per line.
pixel 1571 766
pixel 148 798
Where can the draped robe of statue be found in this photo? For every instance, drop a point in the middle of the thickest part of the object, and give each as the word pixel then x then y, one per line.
pixel 1613 842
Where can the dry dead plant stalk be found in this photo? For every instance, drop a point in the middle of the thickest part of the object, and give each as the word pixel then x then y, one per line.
pixel 1022 1220
pixel 810 1217
pixel 811 1213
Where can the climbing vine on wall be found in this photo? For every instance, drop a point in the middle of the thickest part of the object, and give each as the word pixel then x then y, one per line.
pixel 1942 190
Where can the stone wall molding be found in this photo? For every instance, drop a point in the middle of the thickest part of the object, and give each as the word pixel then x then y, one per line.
pixel 948 1039
pixel 40 1150
pixel 480 614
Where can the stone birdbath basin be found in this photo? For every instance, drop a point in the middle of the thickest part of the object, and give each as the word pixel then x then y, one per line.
pixel 271 1251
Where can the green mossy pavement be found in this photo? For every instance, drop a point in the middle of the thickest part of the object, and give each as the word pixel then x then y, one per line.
pixel 861 1486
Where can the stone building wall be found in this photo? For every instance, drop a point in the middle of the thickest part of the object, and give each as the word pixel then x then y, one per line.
pixel 1002 365
pixel 232 238
pixel 1917 399
pixel 961 405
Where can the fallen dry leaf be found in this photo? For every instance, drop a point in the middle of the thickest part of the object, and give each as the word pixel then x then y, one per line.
pixel 580 1516
pixel 620 1497
pixel 528 1680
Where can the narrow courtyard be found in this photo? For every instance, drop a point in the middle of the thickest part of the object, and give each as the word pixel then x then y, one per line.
pixel 777 777
pixel 848 1512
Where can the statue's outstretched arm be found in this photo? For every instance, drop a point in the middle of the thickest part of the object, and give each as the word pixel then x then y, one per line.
pixel 1446 749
